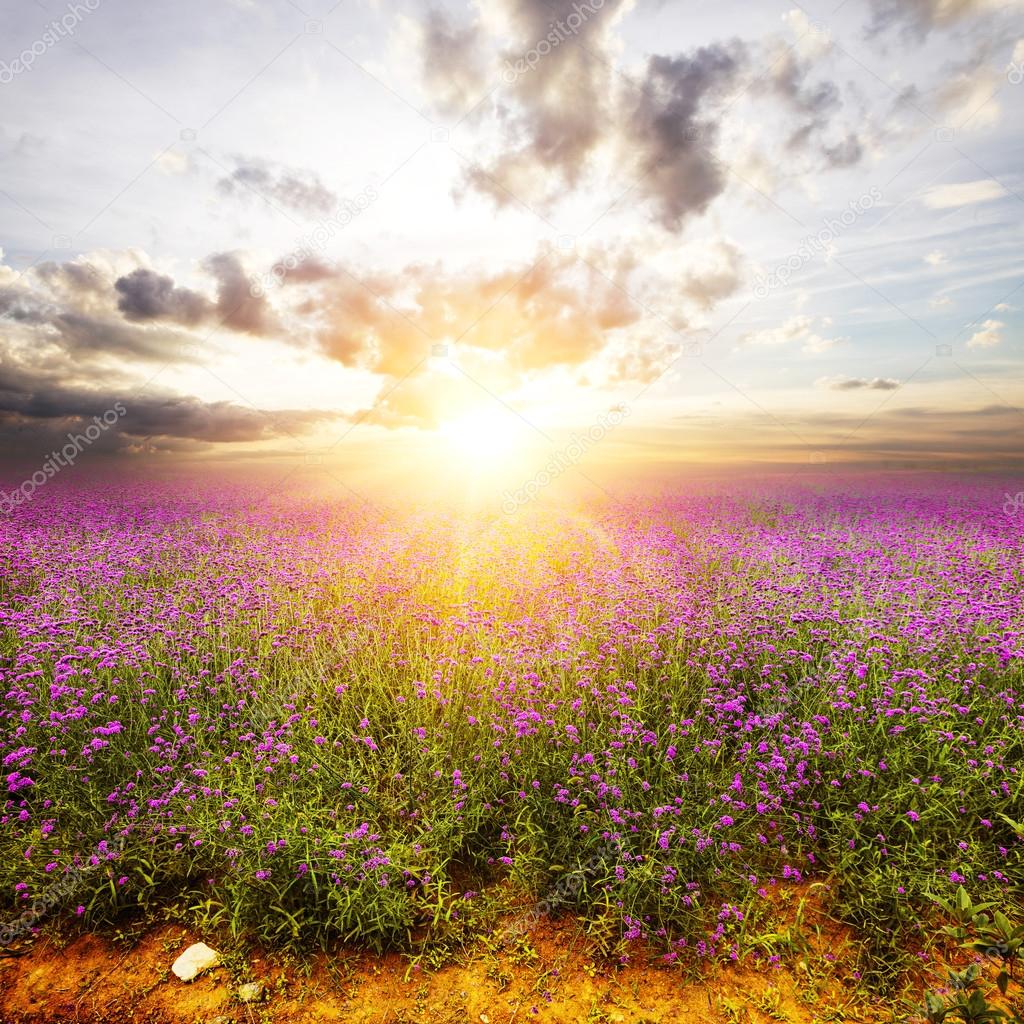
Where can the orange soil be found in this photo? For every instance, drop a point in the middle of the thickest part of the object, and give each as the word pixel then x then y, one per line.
pixel 556 980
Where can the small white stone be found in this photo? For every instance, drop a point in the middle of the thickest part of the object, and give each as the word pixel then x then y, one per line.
pixel 250 992
pixel 196 959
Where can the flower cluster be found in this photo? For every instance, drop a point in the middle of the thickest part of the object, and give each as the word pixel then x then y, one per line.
pixel 334 725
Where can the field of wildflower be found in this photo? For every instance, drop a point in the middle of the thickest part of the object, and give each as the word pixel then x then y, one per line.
pixel 308 721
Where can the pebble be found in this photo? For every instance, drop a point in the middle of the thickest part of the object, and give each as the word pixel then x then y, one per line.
pixel 197 958
pixel 250 992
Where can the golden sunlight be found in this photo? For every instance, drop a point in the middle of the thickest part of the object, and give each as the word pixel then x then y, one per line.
pixel 485 436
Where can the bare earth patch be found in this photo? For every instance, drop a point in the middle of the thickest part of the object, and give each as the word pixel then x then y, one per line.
pixel 554 977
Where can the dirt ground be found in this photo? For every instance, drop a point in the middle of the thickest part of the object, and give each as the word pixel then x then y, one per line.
pixel 553 976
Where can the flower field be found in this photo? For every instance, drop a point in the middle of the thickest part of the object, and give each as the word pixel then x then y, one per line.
pixel 307 721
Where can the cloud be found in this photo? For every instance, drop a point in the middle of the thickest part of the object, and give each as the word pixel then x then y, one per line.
pixel 451 68
pixel 300 191
pixel 562 112
pixel 844 154
pixel 84 304
pixel 974 438
pixel 989 336
pixel 789 80
pixel 83 282
pixel 68 310
pixel 964 193
pixel 715 276
pixel 215 422
pixel 171 162
pixel 671 138
pixel 815 103
pixel 917 18
pixel 936 258
pixel 554 313
pixel 799 328
pixel 76 333
pixel 236 306
pixel 147 295
pixel 424 400
pixel 812 39
pixel 31 397
pixel 940 302
pixel 560 315
pixel 560 106
pixel 967 95
pixel 842 383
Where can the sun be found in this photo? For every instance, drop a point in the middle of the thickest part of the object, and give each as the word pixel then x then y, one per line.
pixel 486 436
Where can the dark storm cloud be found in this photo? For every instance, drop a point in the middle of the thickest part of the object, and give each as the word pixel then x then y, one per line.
pixel 672 139
pixel 558 106
pixel 73 336
pixel 144 295
pixel 147 295
pixel 42 403
pixel 300 191
pixel 561 101
pixel 236 306
pixel 663 125
pixel 188 417
pixel 86 333
pixel 87 311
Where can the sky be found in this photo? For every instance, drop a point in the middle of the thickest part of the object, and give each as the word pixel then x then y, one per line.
pixel 386 236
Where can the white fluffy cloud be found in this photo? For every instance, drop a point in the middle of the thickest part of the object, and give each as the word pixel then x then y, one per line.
pixel 800 329
pixel 990 335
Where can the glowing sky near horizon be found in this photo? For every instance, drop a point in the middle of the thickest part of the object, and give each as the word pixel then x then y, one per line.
pixel 775 234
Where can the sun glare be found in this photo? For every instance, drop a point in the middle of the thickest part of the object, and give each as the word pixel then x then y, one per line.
pixel 483 437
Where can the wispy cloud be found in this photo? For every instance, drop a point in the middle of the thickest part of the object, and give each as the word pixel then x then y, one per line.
pixel 300 191
pixel 965 193
pixel 799 329
pixel 842 383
